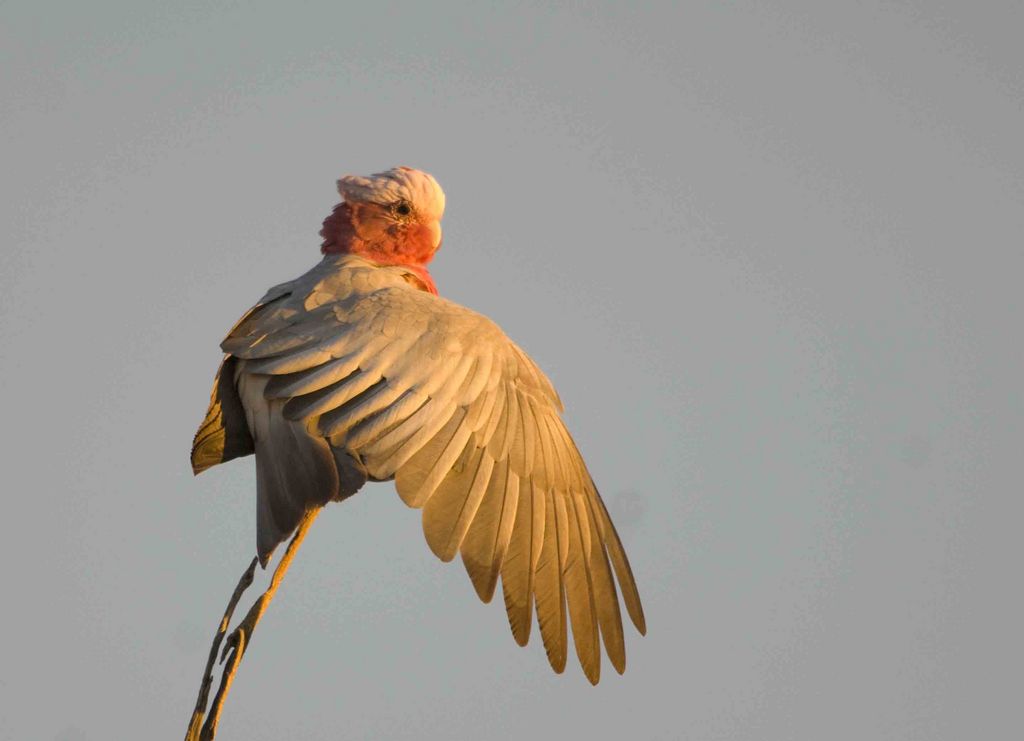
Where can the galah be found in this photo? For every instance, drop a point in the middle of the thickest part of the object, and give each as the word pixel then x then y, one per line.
pixel 358 371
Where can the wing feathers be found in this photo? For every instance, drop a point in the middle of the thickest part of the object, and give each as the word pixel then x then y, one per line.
pixel 224 433
pixel 374 426
pixel 312 379
pixel 622 571
pixel 448 514
pixel 393 450
pixel 329 398
pixel 486 542
pixel 420 476
pixel 309 357
pixel 349 372
pixel 579 589
pixel 375 398
pixel 606 599
pixel 521 561
pixel 551 589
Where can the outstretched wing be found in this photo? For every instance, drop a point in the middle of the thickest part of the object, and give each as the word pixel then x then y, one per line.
pixel 416 388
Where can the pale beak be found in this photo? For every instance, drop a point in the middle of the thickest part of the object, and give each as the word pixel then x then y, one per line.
pixel 435 235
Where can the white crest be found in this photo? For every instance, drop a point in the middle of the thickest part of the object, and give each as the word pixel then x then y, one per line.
pixel 397 184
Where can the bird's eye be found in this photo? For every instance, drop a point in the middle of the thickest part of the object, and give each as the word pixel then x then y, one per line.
pixel 403 209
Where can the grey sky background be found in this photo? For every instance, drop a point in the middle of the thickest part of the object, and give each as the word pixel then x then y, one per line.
pixel 769 253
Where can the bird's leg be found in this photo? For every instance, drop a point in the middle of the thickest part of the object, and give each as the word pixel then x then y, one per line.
pixel 241 636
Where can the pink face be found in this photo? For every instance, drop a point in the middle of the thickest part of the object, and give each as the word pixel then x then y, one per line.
pixel 393 234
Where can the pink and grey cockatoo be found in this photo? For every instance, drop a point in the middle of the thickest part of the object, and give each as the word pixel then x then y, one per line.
pixel 358 371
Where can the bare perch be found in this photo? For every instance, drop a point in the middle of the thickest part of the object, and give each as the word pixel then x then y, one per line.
pixel 240 637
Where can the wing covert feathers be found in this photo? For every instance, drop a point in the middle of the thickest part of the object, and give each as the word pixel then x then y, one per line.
pixel 351 373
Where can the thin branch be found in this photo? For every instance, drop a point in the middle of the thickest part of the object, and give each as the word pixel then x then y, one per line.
pixel 237 643
pixel 204 688
pixel 226 678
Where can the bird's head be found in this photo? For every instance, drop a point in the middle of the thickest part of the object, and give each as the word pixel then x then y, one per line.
pixel 392 218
